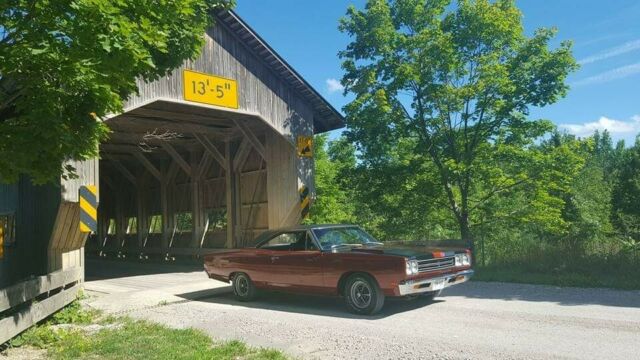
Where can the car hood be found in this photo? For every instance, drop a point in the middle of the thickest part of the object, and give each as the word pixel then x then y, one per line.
pixel 424 253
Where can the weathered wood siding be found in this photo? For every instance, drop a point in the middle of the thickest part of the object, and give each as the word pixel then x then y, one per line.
pixel 35 210
pixel 260 90
pixel 88 174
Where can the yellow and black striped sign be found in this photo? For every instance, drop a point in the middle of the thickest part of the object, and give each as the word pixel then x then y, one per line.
pixel 305 202
pixel 88 209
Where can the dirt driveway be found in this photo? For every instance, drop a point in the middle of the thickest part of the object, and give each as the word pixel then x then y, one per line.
pixel 473 320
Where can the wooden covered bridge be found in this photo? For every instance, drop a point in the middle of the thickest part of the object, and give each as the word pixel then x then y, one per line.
pixel 205 158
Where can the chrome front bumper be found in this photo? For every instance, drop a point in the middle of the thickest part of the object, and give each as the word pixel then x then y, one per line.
pixel 410 287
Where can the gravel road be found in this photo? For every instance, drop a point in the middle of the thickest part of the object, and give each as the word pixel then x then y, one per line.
pixel 470 321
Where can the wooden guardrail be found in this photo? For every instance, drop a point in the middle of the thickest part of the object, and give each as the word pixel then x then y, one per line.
pixel 18 311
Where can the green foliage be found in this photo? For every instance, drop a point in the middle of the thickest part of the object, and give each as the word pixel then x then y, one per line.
pixel 334 198
pixel 626 197
pixel 446 89
pixel 74 314
pixel 64 65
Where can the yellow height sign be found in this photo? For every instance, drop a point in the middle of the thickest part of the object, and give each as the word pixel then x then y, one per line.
pixel 210 89
pixel 88 209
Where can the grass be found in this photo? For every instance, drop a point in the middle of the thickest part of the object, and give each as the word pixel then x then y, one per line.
pixel 129 339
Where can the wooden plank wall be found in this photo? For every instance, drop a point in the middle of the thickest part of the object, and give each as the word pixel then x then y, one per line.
pixel 35 210
pixel 282 182
pixel 88 174
pixel 260 90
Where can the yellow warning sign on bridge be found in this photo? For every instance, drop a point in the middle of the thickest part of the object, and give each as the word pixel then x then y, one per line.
pixel 210 89
pixel 88 209
pixel 305 146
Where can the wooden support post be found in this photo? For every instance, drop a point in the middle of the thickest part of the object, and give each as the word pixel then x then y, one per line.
pixel 230 198
pixel 196 203
pixel 120 219
pixel 167 215
pixel 142 225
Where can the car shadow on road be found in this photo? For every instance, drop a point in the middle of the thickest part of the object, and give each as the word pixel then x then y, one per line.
pixel 304 304
pixel 568 296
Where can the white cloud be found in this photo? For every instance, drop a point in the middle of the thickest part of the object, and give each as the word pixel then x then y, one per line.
pixel 615 51
pixel 615 127
pixel 617 73
pixel 333 86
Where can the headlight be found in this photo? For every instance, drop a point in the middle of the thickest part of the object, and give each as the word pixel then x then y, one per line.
pixel 463 260
pixel 412 267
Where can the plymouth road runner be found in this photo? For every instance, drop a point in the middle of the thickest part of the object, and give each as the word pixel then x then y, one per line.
pixel 337 260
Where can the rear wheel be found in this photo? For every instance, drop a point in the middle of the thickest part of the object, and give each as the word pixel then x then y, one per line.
pixel 243 287
pixel 363 295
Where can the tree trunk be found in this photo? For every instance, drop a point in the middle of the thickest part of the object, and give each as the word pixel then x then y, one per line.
pixel 465 231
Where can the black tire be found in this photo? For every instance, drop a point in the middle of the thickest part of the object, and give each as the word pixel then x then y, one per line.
pixel 430 296
pixel 363 295
pixel 243 287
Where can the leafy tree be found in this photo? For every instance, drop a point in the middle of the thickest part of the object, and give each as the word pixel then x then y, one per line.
pixel 334 198
pixel 454 83
pixel 66 64
pixel 626 194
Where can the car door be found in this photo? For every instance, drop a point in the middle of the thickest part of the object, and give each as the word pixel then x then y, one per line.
pixel 300 267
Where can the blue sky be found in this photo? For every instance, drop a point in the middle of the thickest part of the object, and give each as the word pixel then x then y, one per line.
pixel 605 92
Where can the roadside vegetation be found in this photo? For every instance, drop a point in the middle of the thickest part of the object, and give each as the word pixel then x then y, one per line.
pixel 77 333
pixel 440 145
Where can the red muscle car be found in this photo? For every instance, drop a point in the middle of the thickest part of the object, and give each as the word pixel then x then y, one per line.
pixel 337 260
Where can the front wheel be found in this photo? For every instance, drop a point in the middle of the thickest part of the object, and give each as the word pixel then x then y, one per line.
pixel 363 295
pixel 243 287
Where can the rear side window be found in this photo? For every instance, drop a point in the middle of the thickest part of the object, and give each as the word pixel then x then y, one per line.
pixel 291 241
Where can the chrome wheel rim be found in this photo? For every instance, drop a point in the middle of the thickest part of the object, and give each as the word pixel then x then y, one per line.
pixel 361 294
pixel 242 286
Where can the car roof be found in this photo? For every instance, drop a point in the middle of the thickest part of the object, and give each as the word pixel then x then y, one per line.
pixel 304 227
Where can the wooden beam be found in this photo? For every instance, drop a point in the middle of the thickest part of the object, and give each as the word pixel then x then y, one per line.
pixel 175 115
pixel 252 138
pixel 108 182
pixel 241 155
pixel 231 218
pixel 123 170
pixel 205 162
pixel 171 173
pixel 176 157
pixel 147 164
pixel 211 149
pixel 129 123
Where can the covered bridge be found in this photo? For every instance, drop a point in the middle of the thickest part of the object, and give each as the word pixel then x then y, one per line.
pixel 203 159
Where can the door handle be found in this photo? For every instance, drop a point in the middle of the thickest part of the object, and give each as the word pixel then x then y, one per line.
pixel 275 258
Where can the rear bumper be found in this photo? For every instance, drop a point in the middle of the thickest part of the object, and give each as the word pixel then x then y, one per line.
pixel 410 287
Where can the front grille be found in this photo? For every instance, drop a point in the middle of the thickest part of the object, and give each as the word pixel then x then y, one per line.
pixel 436 264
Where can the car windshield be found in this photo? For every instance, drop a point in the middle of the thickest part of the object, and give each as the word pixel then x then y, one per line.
pixel 331 238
